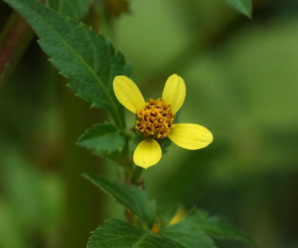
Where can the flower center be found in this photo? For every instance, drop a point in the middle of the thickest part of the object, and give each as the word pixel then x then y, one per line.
pixel 155 120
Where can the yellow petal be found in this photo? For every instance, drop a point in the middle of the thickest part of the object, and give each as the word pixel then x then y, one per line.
pixel 128 93
pixel 178 217
pixel 147 153
pixel 174 92
pixel 190 136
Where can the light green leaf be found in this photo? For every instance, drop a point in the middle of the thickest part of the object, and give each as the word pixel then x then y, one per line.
pixel 72 8
pixel 103 137
pixel 118 234
pixel 243 6
pixel 88 60
pixel 11 231
pixel 187 236
pixel 131 197
pixel 217 227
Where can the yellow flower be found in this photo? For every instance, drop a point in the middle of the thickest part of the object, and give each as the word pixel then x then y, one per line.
pixel 154 119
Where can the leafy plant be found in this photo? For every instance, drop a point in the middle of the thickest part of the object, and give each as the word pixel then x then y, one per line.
pixel 95 70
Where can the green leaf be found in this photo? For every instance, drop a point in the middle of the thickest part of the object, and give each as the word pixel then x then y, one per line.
pixel 113 156
pixel 118 234
pixel 131 197
pixel 88 60
pixel 217 227
pixel 243 6
pixel 103 137
pixel 187 236
pixel 72 8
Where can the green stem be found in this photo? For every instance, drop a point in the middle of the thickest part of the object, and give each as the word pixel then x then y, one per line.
pixel 137 172
pixel 132 172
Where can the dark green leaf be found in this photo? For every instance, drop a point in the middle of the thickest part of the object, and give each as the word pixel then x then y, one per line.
pixel 243 6
pixel 102 138
pixel 113 156
pixel 72 8
pixel 187 236
pixel 88 60
pixel 131 197
pixel 217 227
pixel 118 234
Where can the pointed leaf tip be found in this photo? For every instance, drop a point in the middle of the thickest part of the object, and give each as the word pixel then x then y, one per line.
pixel 243 6
pixel 131 197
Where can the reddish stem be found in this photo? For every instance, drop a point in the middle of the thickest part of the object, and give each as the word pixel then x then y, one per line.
pixel 14 40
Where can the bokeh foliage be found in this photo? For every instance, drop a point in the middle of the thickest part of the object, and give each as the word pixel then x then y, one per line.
pixel 241 83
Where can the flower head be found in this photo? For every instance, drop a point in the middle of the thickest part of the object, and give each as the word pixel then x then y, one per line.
pixel 154 119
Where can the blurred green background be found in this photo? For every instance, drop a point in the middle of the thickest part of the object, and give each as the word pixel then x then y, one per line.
pixel 242 84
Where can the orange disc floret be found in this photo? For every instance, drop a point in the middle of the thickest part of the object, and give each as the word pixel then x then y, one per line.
pixel 155 120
